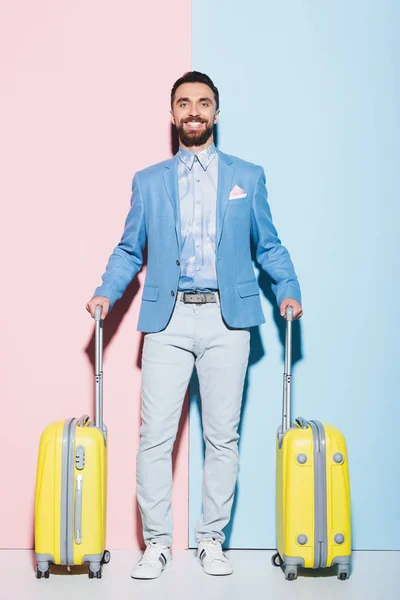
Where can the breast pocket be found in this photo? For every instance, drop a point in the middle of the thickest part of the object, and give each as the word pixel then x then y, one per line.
pixel 238 202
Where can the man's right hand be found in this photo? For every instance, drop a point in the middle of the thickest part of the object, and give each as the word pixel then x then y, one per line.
pixel 98 301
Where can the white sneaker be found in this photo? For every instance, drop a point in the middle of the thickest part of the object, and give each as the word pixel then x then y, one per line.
pixel 214 561
pixel 154 560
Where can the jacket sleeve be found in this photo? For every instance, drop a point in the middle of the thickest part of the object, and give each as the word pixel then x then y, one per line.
pixel 273 258
pixel 126 259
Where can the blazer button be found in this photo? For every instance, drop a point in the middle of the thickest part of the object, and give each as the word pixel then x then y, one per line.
pixel 178 263
pixel 172 293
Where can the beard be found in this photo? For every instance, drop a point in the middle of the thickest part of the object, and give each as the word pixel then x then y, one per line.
pixel 194 138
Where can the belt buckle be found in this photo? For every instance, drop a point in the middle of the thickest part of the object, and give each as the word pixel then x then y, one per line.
pixel 197 293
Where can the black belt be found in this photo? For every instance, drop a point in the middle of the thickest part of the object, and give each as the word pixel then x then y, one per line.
pixel 198 297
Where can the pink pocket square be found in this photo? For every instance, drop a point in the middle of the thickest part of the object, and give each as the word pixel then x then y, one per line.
pixel 237 192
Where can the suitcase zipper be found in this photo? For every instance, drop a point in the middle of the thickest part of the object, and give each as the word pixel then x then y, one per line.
pixel 320 499
pixel 78 509
pixel 65 486
pixel 67 493
pixel 71 486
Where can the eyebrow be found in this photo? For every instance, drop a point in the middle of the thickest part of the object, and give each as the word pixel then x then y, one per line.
pixel 188 100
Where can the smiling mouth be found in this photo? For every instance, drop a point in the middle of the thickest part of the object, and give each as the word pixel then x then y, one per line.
pixel 193 125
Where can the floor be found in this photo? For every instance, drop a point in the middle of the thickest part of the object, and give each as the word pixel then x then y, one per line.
pixel 375 576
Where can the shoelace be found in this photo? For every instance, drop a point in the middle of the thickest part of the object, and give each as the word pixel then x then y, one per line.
pixel 152 554
pixel 213 549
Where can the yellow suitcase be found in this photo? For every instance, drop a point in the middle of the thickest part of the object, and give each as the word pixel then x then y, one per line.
pixel 313 526
pixel 71 487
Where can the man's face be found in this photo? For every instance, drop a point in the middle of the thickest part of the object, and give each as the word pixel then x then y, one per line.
pixel 194 113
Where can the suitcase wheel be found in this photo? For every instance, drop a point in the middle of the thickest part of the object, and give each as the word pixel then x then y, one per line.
pixel 343 576
pixel 277 560
pixel 40 574
pixel 96 575
pixel 291 573
pixel 106 557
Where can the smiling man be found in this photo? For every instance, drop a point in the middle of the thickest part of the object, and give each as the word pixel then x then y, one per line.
pixel 198 213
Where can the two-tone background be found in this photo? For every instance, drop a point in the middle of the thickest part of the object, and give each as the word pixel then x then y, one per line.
pixel 310 90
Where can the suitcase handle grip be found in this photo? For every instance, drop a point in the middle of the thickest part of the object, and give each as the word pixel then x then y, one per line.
pixel 302 423
pixel 98 374
pixel 81 422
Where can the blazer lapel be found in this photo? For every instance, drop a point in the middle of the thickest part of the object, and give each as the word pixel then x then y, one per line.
pixel 170 175
pixel 225 178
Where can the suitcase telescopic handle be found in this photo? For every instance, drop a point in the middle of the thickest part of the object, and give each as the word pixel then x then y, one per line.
pixel 98 375
pixel 287 375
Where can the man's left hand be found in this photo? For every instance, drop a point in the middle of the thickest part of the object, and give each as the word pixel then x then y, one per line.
pixel 297 310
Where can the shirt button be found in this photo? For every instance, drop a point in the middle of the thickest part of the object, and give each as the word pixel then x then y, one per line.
pixel 178 263
pixel 172 293
pixel 198 202
pixel 198 268
pixel 197 180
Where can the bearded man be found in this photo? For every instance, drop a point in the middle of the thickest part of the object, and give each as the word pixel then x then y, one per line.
pixel 197 212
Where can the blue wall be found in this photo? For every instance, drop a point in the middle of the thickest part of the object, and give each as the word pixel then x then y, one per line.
pixel 310 90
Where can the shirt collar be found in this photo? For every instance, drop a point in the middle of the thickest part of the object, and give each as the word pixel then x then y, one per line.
pixel 204 157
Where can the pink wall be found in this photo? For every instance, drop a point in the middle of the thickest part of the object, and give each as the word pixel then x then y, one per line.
pixel 84 104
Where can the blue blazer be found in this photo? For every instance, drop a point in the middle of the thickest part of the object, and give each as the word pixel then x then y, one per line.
pixel 154 217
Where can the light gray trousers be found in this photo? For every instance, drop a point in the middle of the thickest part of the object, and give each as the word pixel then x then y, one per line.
pixel 195 336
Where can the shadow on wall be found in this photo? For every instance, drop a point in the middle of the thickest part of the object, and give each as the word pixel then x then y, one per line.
pixel 257 352
pixel 112 324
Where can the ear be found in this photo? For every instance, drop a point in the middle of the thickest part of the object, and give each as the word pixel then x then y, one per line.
pixel 172 118
pixel 216 117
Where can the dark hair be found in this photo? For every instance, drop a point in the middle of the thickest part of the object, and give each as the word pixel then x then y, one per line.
pixel 195 77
